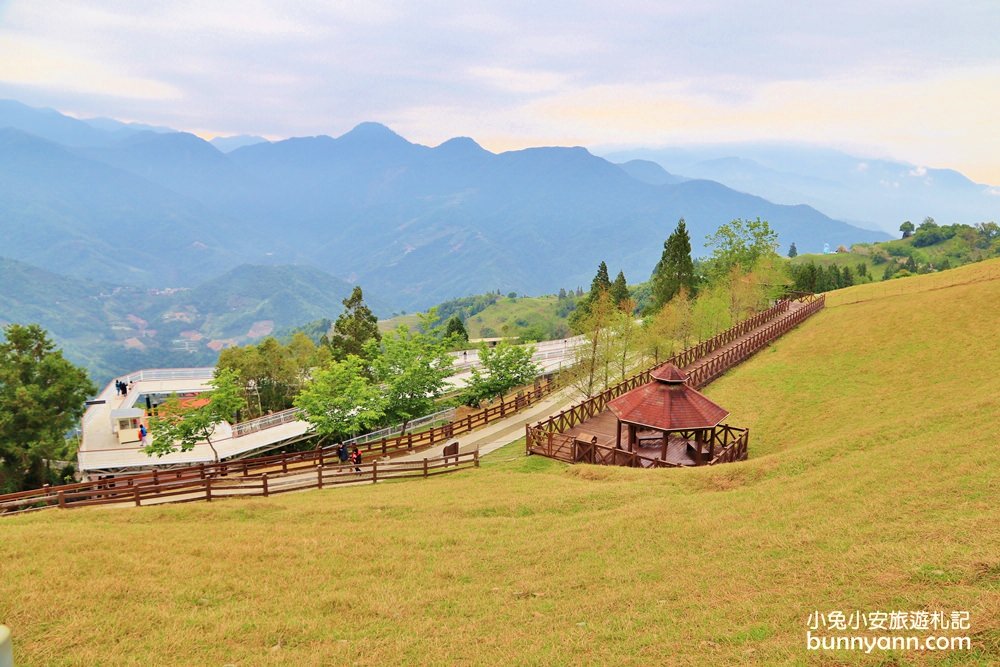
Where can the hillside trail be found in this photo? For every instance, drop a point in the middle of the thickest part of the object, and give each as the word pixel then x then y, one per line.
pixel 504 431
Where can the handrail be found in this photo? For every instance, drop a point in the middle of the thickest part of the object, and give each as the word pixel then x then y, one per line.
pixel 756 332
pixel 209 487
pixel 409 442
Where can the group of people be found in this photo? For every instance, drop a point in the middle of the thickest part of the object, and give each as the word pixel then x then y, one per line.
pixel 353 456
pixel 123 388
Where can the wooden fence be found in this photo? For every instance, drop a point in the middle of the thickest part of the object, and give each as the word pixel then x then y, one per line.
pixel 290 461
pixel 177 488
pixel 548 437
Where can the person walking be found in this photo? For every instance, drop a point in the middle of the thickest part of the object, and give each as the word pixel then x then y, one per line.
pixel 356 460
pixel 342 453
pixel 142 434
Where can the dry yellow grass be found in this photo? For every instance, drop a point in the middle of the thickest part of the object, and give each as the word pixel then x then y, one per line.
pixel 873 485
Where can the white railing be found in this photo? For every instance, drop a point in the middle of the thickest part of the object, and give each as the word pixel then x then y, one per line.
pixel 267 421
pixel 294 414
pixel 445 415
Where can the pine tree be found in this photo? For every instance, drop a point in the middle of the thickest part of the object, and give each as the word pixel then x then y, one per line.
pixel 675 268
pixel 619 290
pixel 601 281
pixel 356 326
pixel 793 251
pixel 456 328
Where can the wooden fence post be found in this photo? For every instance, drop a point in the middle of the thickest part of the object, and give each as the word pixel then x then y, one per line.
pixel 475 457
pixel 201 470
pixel 319 477
pixel 383 445
pixel 136 495
pixel 425 466
pixel 62 500
pixel 409 440
pixel 208 489
pixel 375 471
pixel 320 456
pixel 284 463
pixel 263 479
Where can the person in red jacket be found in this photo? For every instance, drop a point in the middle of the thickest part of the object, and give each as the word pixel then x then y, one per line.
pixel 356 460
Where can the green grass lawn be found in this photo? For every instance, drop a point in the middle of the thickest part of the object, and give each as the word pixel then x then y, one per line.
pixel 872 485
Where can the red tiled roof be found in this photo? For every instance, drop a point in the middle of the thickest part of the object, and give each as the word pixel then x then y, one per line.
pixel 668 373
pixel 667 406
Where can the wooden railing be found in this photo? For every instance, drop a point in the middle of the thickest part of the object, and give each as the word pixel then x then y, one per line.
pixel 547 437
pixel 290 461
pixel 173 488
pixel 704 372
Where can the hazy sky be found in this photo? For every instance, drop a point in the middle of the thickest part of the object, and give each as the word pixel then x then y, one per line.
pixel 914 80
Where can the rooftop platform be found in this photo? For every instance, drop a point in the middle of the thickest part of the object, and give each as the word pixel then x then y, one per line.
pixel 103 452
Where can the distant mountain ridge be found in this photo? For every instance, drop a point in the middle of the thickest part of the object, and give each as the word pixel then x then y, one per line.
pixel 116 328
pixel 880 193
pixel 414 225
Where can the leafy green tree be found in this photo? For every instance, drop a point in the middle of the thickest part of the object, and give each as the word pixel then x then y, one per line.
pixel 907 229
pixel 741 243
pixel 270 373
pixel 675 268
pixel 619 291
pixel 41 398
pixel 355 327
pixel 340 400
pixel 412 370
pixel 178 428
pixel 793 252
pixel 593 355
pixel 503 367
pixel 455 329
pixel 710 313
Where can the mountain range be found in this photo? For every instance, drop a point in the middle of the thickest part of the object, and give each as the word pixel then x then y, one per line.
pixel 112 329
pixel 146 207
pixel 874 193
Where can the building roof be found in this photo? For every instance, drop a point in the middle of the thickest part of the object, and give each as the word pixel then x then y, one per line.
pixel 667 404
pixel 668 373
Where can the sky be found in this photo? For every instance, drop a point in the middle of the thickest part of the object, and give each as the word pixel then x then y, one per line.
pixel 911 80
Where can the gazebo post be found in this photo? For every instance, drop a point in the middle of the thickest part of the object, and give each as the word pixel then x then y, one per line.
pixel 618 434
pixel 631 437
pixel 698 438
pixel 663 456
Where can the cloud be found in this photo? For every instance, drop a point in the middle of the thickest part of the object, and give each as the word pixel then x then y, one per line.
pixel 35 63
pixel 918 171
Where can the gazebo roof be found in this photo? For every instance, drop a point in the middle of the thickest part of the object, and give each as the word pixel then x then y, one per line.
pixel 667 404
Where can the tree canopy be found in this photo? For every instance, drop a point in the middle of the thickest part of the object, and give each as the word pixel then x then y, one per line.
pixel 741 243
pixel 455 329
pixel 411 370
pixel 504 367
pixel 675 270
pixel 619 291
pixel 340 400
pixel 42 397
pixel 355 327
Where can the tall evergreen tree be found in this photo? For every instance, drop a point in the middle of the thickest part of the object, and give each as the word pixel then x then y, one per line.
pixel 456 328
pixel 793 251
pixel 619 290
pixel 601 281
pixel 354 328
pixel 675 268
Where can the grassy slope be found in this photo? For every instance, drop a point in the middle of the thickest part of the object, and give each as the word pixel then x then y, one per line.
pixel 506 317
pixel 872 485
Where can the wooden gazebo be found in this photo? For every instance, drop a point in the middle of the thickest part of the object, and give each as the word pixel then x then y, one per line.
pixel 666 414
